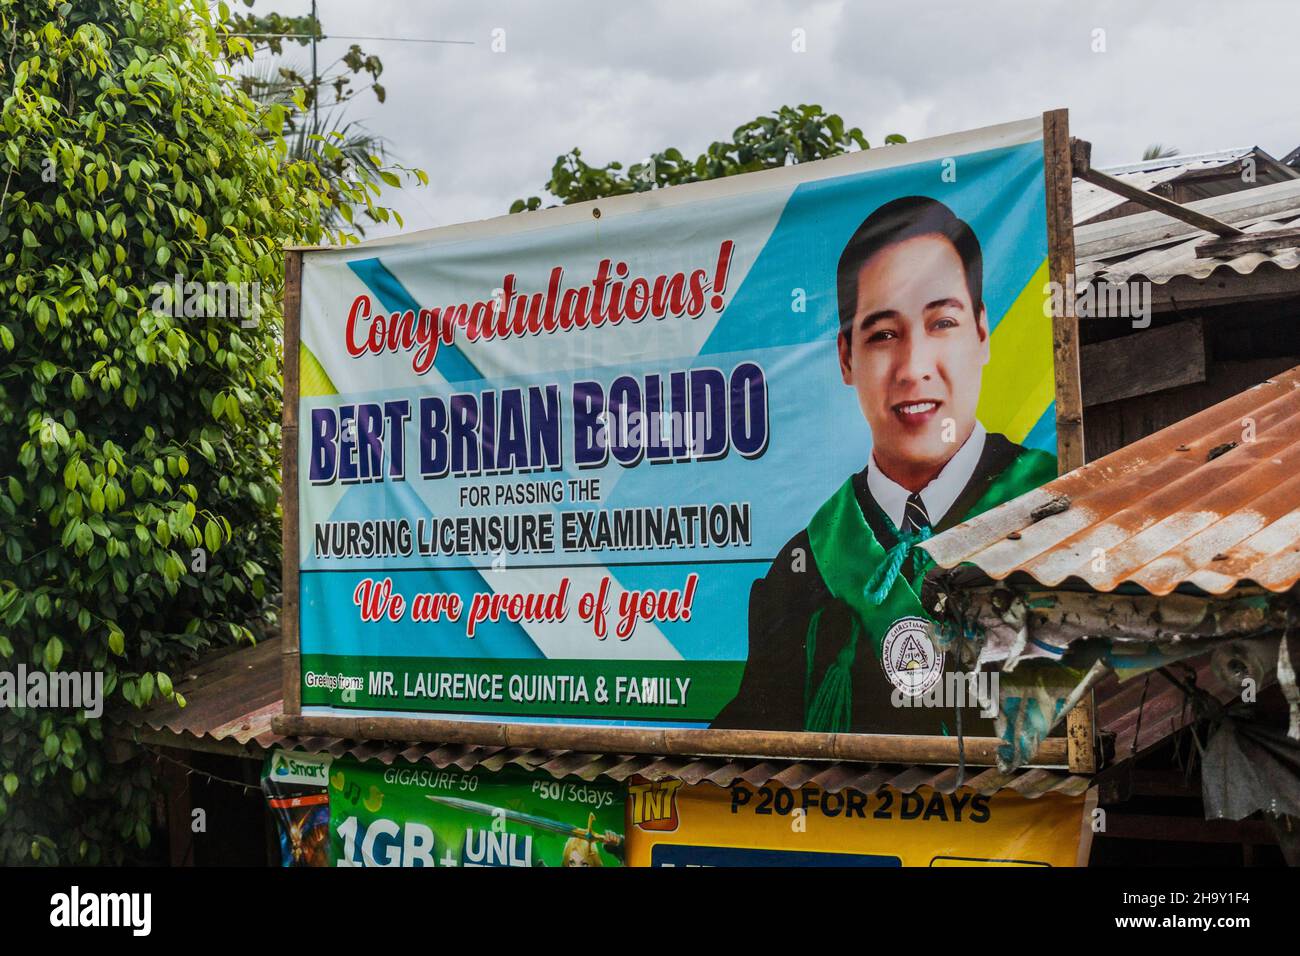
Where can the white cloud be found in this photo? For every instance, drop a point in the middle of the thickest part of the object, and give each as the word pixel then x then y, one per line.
pixel 620 80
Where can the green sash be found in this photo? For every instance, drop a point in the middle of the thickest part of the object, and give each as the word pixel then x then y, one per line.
pixel 848 556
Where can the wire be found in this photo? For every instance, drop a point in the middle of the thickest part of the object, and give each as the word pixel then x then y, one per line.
pixel 344 36
pixel 210 777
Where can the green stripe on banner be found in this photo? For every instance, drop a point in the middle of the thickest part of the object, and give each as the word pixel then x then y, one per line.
pixel 602 690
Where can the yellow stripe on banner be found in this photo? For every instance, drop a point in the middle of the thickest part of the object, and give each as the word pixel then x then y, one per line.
pixel 314 380
pixel 1019 381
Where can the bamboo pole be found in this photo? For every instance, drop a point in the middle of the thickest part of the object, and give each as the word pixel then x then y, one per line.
pixel 875 748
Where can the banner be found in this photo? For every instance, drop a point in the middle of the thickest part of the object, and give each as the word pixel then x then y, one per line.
pixel 296 788
pixel 418 815
pixel 663 460
pixel 670 824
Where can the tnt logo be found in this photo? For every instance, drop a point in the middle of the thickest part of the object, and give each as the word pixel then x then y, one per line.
pixel 654 805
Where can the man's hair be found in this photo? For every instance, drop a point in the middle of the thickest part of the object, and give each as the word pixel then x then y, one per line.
pixel 898 221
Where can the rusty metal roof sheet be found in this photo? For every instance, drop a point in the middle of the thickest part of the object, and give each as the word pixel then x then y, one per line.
pixel 233 694
pixel 1212 501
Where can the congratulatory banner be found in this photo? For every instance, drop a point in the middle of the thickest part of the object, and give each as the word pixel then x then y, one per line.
pixel 662 460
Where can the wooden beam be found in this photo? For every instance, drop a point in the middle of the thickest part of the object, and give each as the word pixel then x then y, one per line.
pixel 1081 158
pixel 1226 286
pixel 176 795
pixel 1149 361
pixel 1081 736
pixel 1058 166
pixel 1287 238
pixel 1135 233
pixel 874 748
pixel 289 610
pixel 1060 267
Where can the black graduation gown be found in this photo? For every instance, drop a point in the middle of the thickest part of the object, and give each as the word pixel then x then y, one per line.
pixel 782 603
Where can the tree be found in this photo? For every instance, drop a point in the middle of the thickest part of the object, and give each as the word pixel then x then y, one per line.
pixel 786 136
pixel 139 434
pixel 1159 151
pixel 320 95
pixel 272 30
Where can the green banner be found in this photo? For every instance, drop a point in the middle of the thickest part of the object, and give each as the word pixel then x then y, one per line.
pixel 409 815
pixel 672 690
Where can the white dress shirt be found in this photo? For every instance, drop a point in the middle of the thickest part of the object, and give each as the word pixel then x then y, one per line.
pixel 940 494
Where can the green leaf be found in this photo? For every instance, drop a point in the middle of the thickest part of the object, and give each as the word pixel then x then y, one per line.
pixel 53 653
pixel 212 536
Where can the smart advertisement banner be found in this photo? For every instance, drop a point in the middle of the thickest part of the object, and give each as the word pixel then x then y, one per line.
pixel 663 460
pixel 673 824
pixel 347 812
pixel 420 815
pixel 297 795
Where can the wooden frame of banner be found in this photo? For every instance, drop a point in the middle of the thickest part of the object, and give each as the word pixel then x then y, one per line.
pixel 1058 169
pixel 1076 750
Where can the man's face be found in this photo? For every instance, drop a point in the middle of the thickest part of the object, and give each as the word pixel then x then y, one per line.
pixel 915 353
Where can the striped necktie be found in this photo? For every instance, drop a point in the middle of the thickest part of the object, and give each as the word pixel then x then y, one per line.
pixel 914 514
pixel 915 518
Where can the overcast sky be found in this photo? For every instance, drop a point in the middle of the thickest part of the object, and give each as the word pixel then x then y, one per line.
pixel 623 79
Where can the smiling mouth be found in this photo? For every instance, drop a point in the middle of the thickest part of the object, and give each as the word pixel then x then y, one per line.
pixel 917 411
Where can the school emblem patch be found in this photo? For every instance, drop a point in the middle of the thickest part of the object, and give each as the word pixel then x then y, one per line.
pixel 911 661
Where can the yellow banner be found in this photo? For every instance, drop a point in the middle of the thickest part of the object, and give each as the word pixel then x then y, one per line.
pixel 671 824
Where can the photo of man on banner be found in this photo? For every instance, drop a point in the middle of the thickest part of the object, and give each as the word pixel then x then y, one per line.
pixel 837 633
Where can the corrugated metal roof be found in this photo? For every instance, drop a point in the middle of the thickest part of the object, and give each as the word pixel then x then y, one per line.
pixel 830 775
pixel 1090 201
pixel 233 694
pixel 1182 161
pixel 1144 710
pixel 1158 248
pixel 1212 501
pixel 1162 264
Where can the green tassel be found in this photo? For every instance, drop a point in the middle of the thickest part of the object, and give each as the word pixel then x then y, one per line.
pixel 831 710
pixel 882 579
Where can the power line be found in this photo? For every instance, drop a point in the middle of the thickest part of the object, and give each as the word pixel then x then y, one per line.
pixel 343 36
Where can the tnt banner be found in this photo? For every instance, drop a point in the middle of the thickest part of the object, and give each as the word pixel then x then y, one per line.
pixel 419 815
pixel 670 824
pixel 664 460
